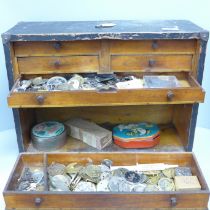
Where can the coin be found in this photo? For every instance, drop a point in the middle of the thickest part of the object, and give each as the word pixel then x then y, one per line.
pixel 153 179
pixel 151 188
pixel 102 186
pixel 183 171
pixel 166 184
pixel 73 168
pixel 60 182
pixel 143 178
pixel 119 172
pixel 23 185
pixel 53 82
pixel 114 183
pixel 37 176
pixel 25 84
pixel 106 175
pixel 93 171
pixel 139 188
pixel 125 186
pixel 85 187
pixel 38 81
pixel 132 176
pixel 107 163
pixel 56 169
pixel 169 173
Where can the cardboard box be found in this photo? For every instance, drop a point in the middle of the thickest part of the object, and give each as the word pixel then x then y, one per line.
pixel 89 132
pixel 187 183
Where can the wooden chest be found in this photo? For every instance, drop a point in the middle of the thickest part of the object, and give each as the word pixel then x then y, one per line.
pixel 124 47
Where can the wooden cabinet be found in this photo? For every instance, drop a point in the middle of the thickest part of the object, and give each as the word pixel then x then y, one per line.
pixel 130 47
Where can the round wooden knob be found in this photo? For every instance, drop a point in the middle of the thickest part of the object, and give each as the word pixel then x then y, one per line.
pixel 154 44
pixel 173 201
pixel 38 201
pixel 57 45
pixel 170 95
pixel 57 64
pixel 40 99
pixel 151 62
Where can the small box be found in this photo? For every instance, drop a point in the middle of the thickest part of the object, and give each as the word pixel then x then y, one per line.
pixel 187 183
pixel 89 132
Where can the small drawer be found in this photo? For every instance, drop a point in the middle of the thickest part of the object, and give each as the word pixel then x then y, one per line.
pixel 56 48
pixel 58 64
pixel 153 47
pixel 197 199
pixel 190 92
pixel 151 63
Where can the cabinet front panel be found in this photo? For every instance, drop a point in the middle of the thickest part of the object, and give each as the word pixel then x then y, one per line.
pixel 153 47
pixel 151 63
pixel 58 64
pixel 56 48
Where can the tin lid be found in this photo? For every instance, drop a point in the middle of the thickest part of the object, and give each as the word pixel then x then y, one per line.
pixel 138 130
pixel 48 129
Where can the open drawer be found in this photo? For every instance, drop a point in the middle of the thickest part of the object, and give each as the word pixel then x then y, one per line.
pixel 189 92
pixel 196 199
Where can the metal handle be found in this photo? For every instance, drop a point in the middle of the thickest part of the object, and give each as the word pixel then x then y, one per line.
pixel 57 64
pixel 57 45
pixel 170 95
pixel 152 62
pixel 40 99
pixel 173 201
pixel 38 201
pixel 154 44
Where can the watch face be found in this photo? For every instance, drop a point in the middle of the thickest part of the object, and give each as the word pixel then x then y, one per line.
pixel 48 129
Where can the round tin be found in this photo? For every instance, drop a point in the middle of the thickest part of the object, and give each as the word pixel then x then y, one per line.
pixel 140 135
pixel 48 136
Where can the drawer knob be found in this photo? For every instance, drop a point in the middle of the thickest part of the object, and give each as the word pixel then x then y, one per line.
pixel 40 99
pixel 57 45
pixel 154 44
pixel 173 201
pixel 57 64
pixel 170 95
pixel 38 201
pixel 152 62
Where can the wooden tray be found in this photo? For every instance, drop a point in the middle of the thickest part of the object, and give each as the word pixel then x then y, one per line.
pixel 97 200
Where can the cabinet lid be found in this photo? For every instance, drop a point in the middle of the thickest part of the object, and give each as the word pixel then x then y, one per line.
pixel 110 29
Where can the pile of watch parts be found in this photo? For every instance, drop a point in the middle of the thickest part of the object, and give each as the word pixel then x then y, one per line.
pixel 93 81
pixel 107 178
pixel 110 82
pixel 31 179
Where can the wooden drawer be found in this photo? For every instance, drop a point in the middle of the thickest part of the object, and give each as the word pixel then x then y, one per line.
pixel 151 63
pixel 80 200
pixel 192 93
pixel 153 47
pixel 58 64
pixel 23 49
